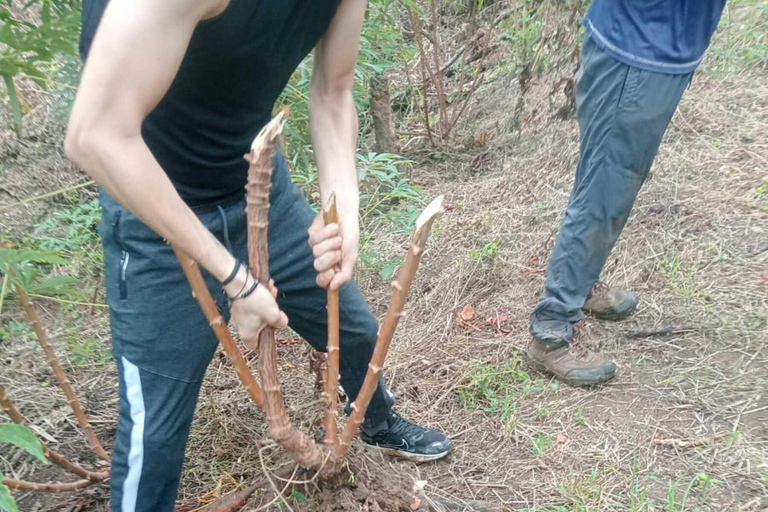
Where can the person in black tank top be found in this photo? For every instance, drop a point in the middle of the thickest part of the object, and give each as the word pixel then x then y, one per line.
pixel 171 97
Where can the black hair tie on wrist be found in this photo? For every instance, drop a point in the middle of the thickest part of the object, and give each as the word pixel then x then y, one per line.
pixel 247 292
pixel 233 274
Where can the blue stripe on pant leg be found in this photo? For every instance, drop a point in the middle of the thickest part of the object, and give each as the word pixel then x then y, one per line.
pixel 135 397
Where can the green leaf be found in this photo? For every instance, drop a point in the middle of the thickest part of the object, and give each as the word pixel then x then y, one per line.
pixel 56 284
pixel 300 496
pixel 22 437
pixel 388 270
pixel 7 503
pixel 17 256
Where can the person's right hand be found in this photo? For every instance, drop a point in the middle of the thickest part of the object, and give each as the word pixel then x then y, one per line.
pixel 252 313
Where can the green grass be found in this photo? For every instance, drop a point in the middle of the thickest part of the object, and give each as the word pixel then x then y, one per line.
pixel 682 278
pixel 85 351
pixel 485 254
pixel 71 231
pixel 741 40
pixel 496 390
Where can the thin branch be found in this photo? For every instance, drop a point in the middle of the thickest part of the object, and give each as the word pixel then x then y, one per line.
pixel 203 295
pixel 23 485
pixel 4 290
pixel 56 458
pixel 424 74
pixel 58 371
pixel 661 331
pixel 437 77
pixel 330 216
pixel 679 443
pixel 394 313
pixel 466 45
pixel 478 80
pixel 47 195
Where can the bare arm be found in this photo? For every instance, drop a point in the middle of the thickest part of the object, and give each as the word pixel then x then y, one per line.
pixel 333 120
pixel 135 55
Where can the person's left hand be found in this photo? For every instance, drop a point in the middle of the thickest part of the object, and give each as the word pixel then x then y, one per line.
pixel 335 248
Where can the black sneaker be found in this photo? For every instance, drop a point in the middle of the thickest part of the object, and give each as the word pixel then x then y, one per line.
pixel 408 441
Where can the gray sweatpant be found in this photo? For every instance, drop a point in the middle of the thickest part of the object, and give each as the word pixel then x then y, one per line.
pixel 163 343
pixel 623 113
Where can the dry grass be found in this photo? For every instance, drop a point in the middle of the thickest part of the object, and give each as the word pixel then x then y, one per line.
pixel 695 248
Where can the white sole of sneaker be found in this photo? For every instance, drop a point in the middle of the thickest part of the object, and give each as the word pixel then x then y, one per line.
pixel 412 457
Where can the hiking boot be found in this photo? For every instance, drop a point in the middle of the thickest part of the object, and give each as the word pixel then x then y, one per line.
pixel 571 363
pixel 409 441
pixel 608 303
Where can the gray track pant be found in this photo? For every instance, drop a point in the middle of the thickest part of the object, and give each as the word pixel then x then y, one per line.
pixel 163 343
pixel 623 113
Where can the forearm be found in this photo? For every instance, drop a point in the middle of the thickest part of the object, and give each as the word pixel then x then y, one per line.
pixel 127 170
pixel 333 121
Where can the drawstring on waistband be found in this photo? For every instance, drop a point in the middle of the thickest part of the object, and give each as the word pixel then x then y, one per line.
pixel 226 229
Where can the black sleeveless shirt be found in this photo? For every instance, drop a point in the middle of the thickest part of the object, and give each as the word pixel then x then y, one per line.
pixel 234 70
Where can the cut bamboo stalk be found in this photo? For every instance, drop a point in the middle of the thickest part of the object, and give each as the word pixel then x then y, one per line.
pixel 300 446
pixel 394 312
pixel 58 371
pixel 203 295
pixel 330 216
pixel 56 458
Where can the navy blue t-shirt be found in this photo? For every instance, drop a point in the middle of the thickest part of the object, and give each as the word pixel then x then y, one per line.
pixel 666 36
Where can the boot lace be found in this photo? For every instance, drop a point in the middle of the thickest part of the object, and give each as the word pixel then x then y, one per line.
pixel 600 289
pixel 578 349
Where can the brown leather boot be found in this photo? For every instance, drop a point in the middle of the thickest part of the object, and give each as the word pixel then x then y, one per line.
pixel 573 364
pixel 609 303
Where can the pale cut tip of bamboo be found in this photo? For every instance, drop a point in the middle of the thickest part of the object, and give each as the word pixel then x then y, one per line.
pixel 272 129
pixel 429 213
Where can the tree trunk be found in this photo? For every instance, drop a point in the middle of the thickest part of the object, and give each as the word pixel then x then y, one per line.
pixel 381 111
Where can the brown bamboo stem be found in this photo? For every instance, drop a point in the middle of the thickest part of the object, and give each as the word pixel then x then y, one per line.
pixel 23 485
pixel 330 216
pixel 303 449
pixel 56 458
pixel 58 371
pixel 394 312
pixel 212 314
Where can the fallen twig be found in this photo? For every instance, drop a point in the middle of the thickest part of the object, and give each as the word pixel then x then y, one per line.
pixel 661 331
pixel 23 485
pixel 46 196
pixel 679 443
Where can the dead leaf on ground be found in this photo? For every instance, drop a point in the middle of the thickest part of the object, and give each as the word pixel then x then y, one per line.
pixel 467 314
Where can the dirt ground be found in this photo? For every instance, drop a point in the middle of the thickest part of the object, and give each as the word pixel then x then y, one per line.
pixel 695 248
